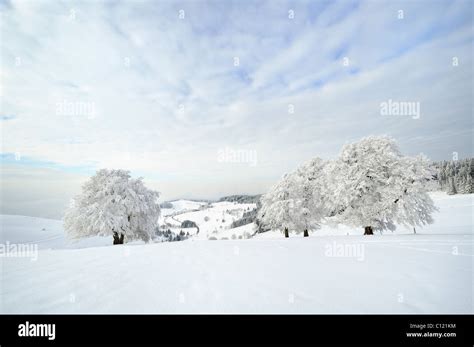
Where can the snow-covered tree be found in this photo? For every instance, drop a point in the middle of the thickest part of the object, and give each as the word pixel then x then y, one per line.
pixel 469 185
pixel 373 186
pixel 113 203
pixel 414 205
pixel 278 205
pixel 308 196
pixel 295 202
pixel 451 189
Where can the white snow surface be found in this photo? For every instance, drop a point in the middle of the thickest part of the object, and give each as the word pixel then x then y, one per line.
pixel 329 272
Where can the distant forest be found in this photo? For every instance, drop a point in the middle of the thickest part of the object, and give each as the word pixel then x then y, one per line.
pixel 455 176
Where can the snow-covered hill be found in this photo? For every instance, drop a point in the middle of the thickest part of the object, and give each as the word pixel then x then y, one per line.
pixel 213 219
pixel 430 272
pixel 42 232
pixel 180 206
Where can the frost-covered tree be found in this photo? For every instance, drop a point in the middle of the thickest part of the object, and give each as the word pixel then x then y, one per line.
pixel 308 196
pixel 113 203
pixel 278 205
pixel 373 186
pixel 451 189
pixel 295 202
pixel 414 205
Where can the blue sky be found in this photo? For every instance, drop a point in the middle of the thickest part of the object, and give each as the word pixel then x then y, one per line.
pixel 162 87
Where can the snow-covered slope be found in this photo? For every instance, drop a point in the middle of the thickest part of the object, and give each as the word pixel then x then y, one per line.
pixel 412 274
pixel 215 220
pixel 42 232
pixel 430 272
pixel 180 206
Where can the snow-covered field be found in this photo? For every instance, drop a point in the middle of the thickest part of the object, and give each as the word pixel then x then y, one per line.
pixel 332 271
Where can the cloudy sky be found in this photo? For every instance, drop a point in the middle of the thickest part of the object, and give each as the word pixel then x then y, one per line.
pixel 208 98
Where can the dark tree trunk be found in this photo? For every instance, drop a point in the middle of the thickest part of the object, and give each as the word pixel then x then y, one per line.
pixel 286 232
pixel 305 233
pixel 118 240
pixel 368 231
